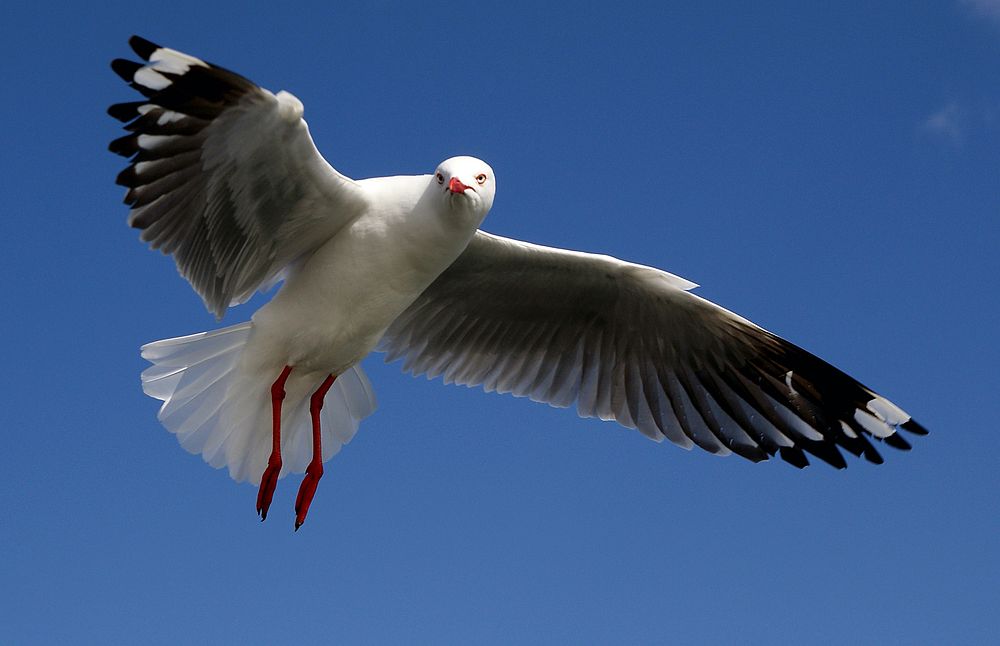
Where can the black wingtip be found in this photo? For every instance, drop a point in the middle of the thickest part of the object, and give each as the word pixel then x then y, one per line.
pixel 794 456
pixel 911 426
pixel 873 456
pixel 827 452
pixel 750 452
pixel 897 442
pixel 125 68
pixel 125 112
pixel 125 146
pixel 143 47
pixel 127 178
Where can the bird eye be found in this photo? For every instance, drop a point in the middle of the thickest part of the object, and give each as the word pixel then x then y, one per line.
pixel 440 178
pixel 481 178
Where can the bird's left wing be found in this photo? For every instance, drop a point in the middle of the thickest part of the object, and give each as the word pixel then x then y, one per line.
pixel 630 343
pixel 223 174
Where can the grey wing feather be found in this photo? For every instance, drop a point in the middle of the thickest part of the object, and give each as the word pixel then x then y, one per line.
pixel 223 174
pixel 630 343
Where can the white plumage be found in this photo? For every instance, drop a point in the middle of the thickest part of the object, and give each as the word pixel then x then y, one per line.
pixel 221 410
pixel 225 177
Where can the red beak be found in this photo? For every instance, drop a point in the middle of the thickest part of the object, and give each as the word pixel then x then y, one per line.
pixel 456 185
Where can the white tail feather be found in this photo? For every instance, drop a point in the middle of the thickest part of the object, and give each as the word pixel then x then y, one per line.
pixel 220 409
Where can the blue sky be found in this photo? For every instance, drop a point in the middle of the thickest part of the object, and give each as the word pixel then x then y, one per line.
pixel 830 172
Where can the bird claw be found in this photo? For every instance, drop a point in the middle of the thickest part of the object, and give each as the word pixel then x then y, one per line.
pixel 268 482
pixel 306 491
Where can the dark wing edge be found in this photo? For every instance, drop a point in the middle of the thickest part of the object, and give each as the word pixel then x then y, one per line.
pixel 628 343
pixel 217 170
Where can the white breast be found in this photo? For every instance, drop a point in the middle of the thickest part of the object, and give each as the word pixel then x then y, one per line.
pixel 335 306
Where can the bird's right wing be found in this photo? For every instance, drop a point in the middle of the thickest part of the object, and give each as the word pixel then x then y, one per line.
pixel 223 174
pixel 631 343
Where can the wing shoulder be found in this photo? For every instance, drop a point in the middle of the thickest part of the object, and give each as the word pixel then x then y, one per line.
pixel 223 174
pixel 630 343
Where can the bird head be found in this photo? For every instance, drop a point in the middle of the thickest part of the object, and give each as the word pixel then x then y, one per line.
pixel 467 184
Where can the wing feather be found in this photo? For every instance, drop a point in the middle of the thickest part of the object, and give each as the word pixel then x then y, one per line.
pixel 223 174
pixel 630 343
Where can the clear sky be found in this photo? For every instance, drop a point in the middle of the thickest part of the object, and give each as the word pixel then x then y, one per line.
pixel 829 170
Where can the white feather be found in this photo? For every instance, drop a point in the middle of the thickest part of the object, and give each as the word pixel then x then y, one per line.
pixel 219 406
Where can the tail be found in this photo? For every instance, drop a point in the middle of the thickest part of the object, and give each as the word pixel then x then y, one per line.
pixel 221 410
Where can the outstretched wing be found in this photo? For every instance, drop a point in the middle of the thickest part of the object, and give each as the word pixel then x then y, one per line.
pixel 630 343
pixel 223 174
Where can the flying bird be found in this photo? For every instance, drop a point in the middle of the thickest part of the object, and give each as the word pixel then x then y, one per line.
pixel 224 176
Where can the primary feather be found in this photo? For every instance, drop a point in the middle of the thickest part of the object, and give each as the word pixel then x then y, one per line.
pixel 224 176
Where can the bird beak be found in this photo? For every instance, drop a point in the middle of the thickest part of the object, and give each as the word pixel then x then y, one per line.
pixel 456 185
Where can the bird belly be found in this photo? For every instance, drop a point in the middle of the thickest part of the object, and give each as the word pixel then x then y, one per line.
pixel 333 310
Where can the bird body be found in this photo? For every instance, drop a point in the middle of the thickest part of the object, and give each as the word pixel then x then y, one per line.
pixel 225 177
pixel 362 278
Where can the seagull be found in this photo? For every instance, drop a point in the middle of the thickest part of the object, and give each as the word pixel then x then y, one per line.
pixel 224 176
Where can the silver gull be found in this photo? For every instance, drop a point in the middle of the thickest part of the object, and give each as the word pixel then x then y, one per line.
pixel 224 176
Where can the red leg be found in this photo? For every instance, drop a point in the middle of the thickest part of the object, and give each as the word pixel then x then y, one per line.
pixel 315 469
pixel 270 478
